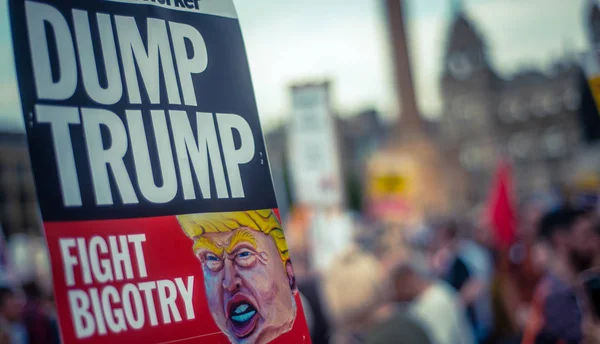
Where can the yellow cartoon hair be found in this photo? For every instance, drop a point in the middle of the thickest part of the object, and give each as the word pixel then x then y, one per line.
pixel 264 221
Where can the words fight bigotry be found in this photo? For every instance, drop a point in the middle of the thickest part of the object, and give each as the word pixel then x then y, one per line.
pixel 96 309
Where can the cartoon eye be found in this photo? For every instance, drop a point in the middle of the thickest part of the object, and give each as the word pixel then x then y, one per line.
pixel 244 254
pixel 212 262
pixel 245 258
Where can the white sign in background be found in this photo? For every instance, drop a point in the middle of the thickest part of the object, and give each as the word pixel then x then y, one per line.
pixel 313 152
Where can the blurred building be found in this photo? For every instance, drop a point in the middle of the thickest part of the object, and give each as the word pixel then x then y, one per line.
pixel 18 205
pixel 360 135
pixel 533 117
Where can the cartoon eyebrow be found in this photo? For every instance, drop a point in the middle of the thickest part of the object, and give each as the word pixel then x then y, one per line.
pixel 240 236
pixel 201 242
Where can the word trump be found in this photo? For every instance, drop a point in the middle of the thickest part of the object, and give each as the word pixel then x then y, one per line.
pixel 198 151
pixel 131 305
pixel 140 152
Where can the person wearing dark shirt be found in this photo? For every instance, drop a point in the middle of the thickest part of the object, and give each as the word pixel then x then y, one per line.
pixel 321 330
pixel 39 326
pixel 556 317
pixel 456 273
pixel 12 330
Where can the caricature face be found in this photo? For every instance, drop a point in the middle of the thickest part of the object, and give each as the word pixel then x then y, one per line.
pixel 247 285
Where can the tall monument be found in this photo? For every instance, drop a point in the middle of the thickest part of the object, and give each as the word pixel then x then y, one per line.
pixel 410 155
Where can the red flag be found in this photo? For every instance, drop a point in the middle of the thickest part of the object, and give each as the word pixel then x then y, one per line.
pixel 501 208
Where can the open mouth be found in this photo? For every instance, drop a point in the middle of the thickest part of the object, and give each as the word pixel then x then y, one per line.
pixel 242 316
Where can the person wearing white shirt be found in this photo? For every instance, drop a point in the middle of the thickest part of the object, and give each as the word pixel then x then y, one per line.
pixel 432 303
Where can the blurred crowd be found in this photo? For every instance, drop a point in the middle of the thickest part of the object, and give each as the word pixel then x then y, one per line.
pixel 446 281
pixel 27 308
pixel 27 315
pixel 455 282
pixel 449 281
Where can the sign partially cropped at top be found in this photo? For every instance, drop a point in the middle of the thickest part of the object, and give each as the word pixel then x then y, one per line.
pixel 151 173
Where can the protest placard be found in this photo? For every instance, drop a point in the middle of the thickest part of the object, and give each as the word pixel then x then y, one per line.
pixel 151 173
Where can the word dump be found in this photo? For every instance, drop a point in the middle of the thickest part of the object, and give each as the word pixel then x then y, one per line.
pixel 102 307
pixel 107 59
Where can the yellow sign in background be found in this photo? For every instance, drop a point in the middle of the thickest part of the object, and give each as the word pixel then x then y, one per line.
pixel 594 83
pixel 591 67
pixel 388 185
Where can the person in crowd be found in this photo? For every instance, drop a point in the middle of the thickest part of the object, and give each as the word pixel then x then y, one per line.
pixel 527 260
pixel 591 331
pixel 12 329
pixel 477 292
pixel 394 323
pixel 50 306
pixel 589 300
pixel 518 270
pixel 453 269
pixel 353 289
pixel 433 304
pixel 555 315
pixel 315 310
pixel 398 328
pixel 39 326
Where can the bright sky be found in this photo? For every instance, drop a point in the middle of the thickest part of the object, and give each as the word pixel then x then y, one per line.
pixel 346 42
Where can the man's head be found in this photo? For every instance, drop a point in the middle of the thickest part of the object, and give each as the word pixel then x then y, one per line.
pixel 11 305
pixel 570 233
pixel 409 280
pixel 248 274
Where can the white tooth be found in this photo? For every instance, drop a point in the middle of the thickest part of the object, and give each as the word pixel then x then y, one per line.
pixel 241 308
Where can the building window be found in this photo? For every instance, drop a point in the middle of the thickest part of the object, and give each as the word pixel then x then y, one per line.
pixel 517 110
pixel 512 110
pixel 572 99
pixel 520 145
pixel 554 143
pixel 551 104
pixel 537 105
pixel 473 157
